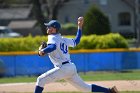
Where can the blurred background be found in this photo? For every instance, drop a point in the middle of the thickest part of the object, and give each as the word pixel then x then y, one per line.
pixel 109 48
pixel 110 26
pixel 27 16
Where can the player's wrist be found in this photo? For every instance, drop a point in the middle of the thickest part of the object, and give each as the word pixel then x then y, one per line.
pixel 80 28
pixel 41 52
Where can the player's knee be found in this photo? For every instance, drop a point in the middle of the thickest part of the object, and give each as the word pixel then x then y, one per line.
pixel 40 81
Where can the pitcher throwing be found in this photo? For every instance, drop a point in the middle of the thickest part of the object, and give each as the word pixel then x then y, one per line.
pixel 64 68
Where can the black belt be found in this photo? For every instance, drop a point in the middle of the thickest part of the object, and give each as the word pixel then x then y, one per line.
pixel 65 62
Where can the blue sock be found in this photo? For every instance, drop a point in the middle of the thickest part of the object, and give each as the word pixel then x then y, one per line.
pixel 38 89
pixel 96 88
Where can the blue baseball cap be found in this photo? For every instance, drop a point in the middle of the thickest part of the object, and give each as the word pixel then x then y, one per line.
pixel 53 23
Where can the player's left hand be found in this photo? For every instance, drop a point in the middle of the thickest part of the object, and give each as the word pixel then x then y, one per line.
pixel 80 22
pixel 42 46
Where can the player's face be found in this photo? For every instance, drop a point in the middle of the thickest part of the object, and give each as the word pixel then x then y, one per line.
pixel 51 30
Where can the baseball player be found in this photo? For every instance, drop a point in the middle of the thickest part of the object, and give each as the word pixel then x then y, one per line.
pixel 57 49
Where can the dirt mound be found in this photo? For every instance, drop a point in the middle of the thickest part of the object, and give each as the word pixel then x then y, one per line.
pixel 122 85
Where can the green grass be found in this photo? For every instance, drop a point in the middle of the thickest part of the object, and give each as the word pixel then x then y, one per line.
pixel 90 76
pixel 124 75
pixel 18 79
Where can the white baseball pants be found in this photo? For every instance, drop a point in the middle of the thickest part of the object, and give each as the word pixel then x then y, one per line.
pixel 67 72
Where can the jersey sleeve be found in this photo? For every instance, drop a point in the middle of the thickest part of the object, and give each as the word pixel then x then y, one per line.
pixel 51 40
pixel 70 42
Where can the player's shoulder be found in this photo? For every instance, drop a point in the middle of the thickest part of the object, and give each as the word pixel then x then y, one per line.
pixel 51 36
pixel 54 36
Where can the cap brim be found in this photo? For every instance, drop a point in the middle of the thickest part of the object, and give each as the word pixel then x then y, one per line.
pixel 47 24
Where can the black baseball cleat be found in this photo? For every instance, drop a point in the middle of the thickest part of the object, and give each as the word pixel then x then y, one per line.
pixel 114 90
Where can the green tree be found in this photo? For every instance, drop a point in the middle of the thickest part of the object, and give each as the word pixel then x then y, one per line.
pixel 96 22
pixel 52 8
pixel 39 15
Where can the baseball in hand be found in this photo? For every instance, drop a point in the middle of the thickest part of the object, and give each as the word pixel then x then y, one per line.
pixel 80 22
pixel 80 18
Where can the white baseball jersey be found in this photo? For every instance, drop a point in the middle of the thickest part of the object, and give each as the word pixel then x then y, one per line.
pixel 61 54
pixel 67 71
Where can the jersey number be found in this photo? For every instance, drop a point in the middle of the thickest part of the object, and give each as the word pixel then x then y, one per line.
pixel 64 48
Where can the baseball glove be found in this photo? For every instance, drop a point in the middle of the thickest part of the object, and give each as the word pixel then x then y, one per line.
pixel 42 46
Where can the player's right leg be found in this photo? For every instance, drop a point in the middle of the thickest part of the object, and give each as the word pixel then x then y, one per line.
pixel 76 81
pixel 81 85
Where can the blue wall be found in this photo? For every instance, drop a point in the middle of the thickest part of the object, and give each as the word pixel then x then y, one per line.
pixel 32 64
